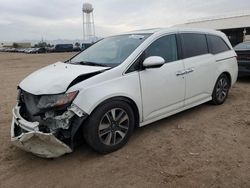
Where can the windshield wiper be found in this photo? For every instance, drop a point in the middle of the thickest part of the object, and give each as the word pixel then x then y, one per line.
pixel 89 63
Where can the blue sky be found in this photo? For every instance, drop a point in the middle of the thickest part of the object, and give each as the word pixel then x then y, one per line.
pixel 53 19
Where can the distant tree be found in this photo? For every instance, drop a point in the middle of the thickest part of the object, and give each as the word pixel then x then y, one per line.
pixel 41 45
pixel 49 45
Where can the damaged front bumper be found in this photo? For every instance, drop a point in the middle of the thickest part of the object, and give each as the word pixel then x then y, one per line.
pixel 26 135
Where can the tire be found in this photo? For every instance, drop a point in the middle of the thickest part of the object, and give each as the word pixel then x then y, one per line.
pixel 110 126
pixel 221 90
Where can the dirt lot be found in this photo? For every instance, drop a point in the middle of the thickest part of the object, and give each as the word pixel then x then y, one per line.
pixel 207 146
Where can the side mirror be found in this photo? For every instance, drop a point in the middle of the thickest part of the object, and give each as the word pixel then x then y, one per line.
pixel 153 62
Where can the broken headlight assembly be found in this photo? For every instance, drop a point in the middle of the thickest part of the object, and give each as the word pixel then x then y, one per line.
pixel 53 112
pixel 50 103
pixel 56 101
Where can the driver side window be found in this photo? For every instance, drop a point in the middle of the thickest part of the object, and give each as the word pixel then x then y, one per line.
pixel 165 47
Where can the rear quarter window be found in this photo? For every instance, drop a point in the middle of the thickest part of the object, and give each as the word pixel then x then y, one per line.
pixel 193 44
pixel 216 44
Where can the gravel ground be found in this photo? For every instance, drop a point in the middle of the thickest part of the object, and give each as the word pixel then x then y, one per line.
pixel 207 146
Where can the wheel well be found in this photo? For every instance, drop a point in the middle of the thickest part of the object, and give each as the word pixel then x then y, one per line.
pixel 130 102
pixel 78 136
pixel 228 76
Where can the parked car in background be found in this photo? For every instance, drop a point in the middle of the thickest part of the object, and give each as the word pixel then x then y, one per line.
pixel 2 50
pixel 77 49
pixel 50 49
pixel 39 50
pixel 243 57
pixel 86 45
pixel 22 50
pixel 119 83
pixel 63 48
pixel 27 50
pixel 11 50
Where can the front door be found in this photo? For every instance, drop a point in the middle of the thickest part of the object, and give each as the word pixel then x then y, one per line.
pixel 163 88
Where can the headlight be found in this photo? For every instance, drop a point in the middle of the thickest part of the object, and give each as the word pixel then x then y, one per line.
pixel 53 101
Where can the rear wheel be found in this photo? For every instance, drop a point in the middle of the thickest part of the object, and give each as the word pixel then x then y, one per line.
pixel 109 126
pixel 221 90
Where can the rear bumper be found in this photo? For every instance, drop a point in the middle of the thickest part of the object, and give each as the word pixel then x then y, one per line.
pixel 244 68
pixel 27 136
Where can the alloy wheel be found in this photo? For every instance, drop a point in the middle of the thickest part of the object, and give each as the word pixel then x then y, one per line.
pixel 113 126
pixel 222 89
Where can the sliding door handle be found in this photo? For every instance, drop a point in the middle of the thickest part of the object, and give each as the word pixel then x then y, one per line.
pixel 180 73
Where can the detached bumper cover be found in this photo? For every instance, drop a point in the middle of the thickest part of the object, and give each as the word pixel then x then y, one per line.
pixel 32 140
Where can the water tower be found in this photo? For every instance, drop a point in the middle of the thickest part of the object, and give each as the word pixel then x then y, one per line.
pixel 88 23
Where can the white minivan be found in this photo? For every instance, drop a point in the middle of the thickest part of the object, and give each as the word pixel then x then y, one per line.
pixel 119 83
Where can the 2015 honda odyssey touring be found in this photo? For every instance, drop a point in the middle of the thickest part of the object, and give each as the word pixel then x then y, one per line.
pixel 122 81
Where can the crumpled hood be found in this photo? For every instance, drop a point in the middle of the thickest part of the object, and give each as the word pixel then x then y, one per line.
pixel 55 78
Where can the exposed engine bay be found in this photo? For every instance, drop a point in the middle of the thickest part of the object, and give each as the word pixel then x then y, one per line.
pixel 45 121
pixel 46 125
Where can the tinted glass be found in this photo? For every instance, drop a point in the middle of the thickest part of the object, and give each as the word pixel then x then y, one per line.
pixel 164 47
pixel 111 51
pixel 216 44
pixel 136 65
pixel 193 44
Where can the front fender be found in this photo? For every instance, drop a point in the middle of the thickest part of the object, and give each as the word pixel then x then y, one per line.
pixel 124 86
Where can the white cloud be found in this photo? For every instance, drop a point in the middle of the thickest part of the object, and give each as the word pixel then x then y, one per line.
pixel 54 19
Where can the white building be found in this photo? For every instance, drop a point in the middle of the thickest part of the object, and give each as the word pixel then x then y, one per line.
pixel 236 26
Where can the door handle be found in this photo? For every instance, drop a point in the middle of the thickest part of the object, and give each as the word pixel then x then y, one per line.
pixel 189 70
pixel 180 73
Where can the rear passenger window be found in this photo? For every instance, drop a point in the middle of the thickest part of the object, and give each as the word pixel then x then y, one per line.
pixel 164 47
pixel 193 44
pixel 216 44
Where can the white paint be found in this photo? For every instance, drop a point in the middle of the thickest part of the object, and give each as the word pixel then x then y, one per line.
pixel 41 144
pixel 115 82
pixel 162 90
pixel 153 61
pixel 136 86
pixel 227 22
pixel 55 78
pixel 157 92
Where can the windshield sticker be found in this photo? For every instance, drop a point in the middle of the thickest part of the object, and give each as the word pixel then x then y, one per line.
pixel 136 37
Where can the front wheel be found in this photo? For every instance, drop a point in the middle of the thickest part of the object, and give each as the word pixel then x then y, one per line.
pixel 221 90
pixel 109 126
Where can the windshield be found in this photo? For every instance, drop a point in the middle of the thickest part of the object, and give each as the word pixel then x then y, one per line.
pixel 110 51
pixel 243 46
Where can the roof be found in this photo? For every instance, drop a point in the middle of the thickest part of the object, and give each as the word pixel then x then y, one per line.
pixel 150 30
pixel 175 29
pixel 230 21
